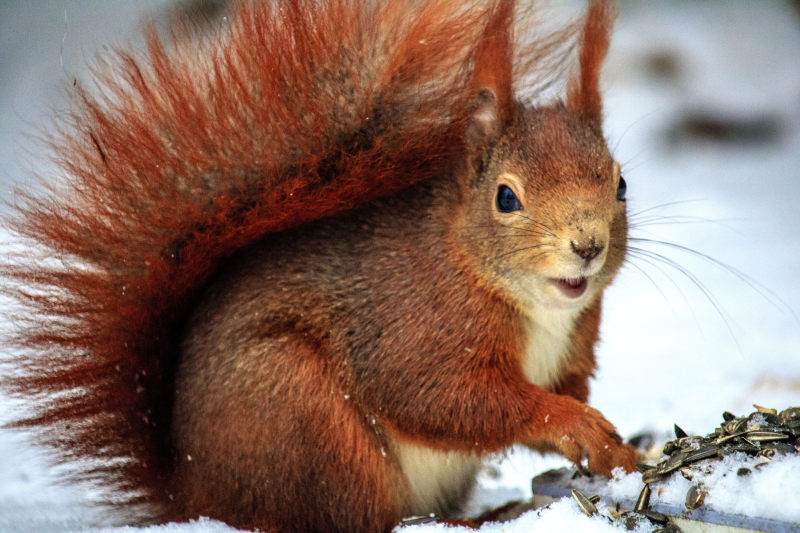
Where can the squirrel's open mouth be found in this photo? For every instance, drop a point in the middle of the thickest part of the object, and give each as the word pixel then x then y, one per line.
pixel 571 287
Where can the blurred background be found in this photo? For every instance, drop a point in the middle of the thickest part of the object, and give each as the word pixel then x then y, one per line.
pixel 702 104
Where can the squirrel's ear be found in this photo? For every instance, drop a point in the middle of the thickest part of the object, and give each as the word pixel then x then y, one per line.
pixel 492 81
pixel 494 57
pixel 583 92
pixel 483 127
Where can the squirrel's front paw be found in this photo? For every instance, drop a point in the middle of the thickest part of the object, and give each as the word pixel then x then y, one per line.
pixel 580 431
pixel 595 438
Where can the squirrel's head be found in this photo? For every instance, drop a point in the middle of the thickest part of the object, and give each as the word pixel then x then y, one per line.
pixel 544 211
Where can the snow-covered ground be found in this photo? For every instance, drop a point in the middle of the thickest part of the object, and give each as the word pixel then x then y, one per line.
pixel 703 111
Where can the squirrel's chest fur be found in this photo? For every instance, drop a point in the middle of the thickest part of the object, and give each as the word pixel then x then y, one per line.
pixel 547 345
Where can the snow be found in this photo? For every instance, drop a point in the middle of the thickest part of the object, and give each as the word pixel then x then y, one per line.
pixel 670 352
pixel 772 482
pixel 562 515
pixel 203 525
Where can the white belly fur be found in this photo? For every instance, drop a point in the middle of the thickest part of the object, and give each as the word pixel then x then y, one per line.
pixel 547 345
pixel 438 481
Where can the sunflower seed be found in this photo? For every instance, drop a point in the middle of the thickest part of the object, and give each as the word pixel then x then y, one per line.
pixel 765 436
pixel 652 476
pixel 702 453
pixel 673 463
pixel 768 410
pixel 695 497
pixel 789 414
pixel 584 503
pixel 655 516
pixel 643 502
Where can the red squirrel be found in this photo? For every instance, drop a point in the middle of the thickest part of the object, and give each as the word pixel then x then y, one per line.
pixel 312 268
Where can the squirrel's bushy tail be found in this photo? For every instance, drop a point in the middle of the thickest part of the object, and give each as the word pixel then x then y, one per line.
pixel 181 157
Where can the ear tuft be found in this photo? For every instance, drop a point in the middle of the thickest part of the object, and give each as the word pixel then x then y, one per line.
pixel 494 58
pixel 583 92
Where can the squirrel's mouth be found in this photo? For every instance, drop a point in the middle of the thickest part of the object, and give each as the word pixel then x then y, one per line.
pixel 571 287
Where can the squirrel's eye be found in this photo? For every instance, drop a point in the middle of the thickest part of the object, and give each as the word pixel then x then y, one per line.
pixel 622 188
pixel 507 201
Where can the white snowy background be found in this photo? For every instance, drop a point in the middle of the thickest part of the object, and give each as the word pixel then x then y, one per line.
pixel 671 352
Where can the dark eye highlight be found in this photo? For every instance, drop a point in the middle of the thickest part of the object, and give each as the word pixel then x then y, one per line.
pixel 507 201
pixel 622 188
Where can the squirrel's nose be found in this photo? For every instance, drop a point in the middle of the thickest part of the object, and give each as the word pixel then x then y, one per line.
pixel 587 251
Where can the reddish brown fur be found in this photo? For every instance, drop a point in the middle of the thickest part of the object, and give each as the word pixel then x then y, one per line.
pixel 297 113
pixel 583 94
pixel 495 57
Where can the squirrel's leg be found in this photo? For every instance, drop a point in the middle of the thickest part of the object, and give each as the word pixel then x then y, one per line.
pixel 577 430
pixel 271 435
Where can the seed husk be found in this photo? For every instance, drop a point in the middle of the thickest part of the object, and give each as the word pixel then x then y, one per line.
pixel 673 463
pixel 643 501
pixel 737 425
pixel 765 436
pixel 695 497
pixel 766 410
pixel 703 453
pixel 584 503
pixel 652 476
pixel 655 516
pixel 746 447
pixel 789 414
pixel 727 438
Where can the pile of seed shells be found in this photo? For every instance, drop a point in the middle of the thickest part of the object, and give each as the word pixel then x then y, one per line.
pixel 764 433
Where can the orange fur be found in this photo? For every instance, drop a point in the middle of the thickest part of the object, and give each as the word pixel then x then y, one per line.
pixel 202 319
